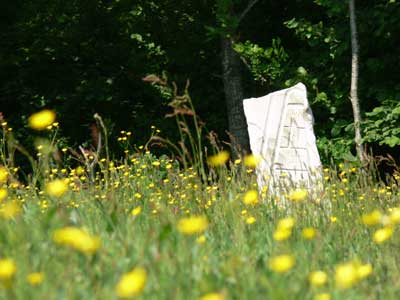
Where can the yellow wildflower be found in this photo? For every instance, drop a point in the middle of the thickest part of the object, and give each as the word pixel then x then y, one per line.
pixel 308 233
pixel 10 210
pixel 250 220
pixel 192 225
pixel 394 216
pixel 322 296
pixel 57 187
pixel 41 120
pixel 318 278
pixel 79 170
pixel 201 239
pixel 333 219
pixel 251 161
pixel 35 278
pixel 3 174
pixel 383 234
pixel 298 195
pixel 237 161
pixel 7 269
pixel 364 271
pixel 136 211
pixel 372 218
pixel 281 263
pixel 282 234
pixel 286 223
pixel 3 194
pixel 77 239
pixel 346 275
pixel 213 296
pixel 219 159
pixel 132 283
pixel 251 198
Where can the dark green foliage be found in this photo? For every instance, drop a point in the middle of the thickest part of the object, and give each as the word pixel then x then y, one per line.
pixel 383 122
pixel 86 57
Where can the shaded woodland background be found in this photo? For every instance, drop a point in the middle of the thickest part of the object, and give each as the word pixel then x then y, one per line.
pixel 85 57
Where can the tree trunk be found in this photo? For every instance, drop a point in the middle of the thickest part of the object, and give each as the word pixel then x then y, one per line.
pixel 354 83
pixel 231 72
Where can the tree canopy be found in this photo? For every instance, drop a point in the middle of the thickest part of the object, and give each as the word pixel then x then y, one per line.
pixel 86 57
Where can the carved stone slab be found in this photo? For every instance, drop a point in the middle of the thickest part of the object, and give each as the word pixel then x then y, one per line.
pixel 281 132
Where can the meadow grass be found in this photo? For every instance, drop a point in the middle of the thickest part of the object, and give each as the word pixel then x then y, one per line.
pixel 130 217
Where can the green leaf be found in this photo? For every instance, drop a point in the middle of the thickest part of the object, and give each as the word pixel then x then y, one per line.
pixel 137 37
pixel 302 71
pixel 392 141
pixel 336 130
pixel 322 97
pixel 349 157
pixel 349 128
pixel 396 111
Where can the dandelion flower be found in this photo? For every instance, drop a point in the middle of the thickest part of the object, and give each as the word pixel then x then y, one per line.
pixel 364 270
pixel 251 161
pixel 7 269
pixel 250 220
pixel 201 239
pixel 298 195
pixel 322 296
pixel 136 211
pixel 213 296
pixel 41 120
pixel 132 283
pixel 79 170
pixel 318 278
pixel 308 233
pixel 10 210
pixel 383 234
pixel 251 198
pixel 3 194
pixel 286 223
pixel 192 225
pixel 77 239
pixel 282 234
pixel 219 159
pixel 372 218
pixel 57 187
pixel 394 216
pixel 35 278
pixel 346 275
pixel 281 263
pixel 3 174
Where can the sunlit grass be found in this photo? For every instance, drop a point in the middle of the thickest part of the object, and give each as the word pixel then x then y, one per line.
pixel 142 227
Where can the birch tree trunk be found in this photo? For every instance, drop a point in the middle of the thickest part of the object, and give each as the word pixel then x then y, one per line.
pixel 354 83
pixel 233 88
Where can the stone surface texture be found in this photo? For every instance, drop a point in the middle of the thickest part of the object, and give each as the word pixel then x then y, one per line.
pixel 280 127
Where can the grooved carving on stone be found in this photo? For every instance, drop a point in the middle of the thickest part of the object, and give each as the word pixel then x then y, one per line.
pixel 280 127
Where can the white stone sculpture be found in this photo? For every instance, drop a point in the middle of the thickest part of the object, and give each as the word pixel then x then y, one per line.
pixel 281 133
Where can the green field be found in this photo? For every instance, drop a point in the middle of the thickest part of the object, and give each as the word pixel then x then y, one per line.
pixel 142 227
